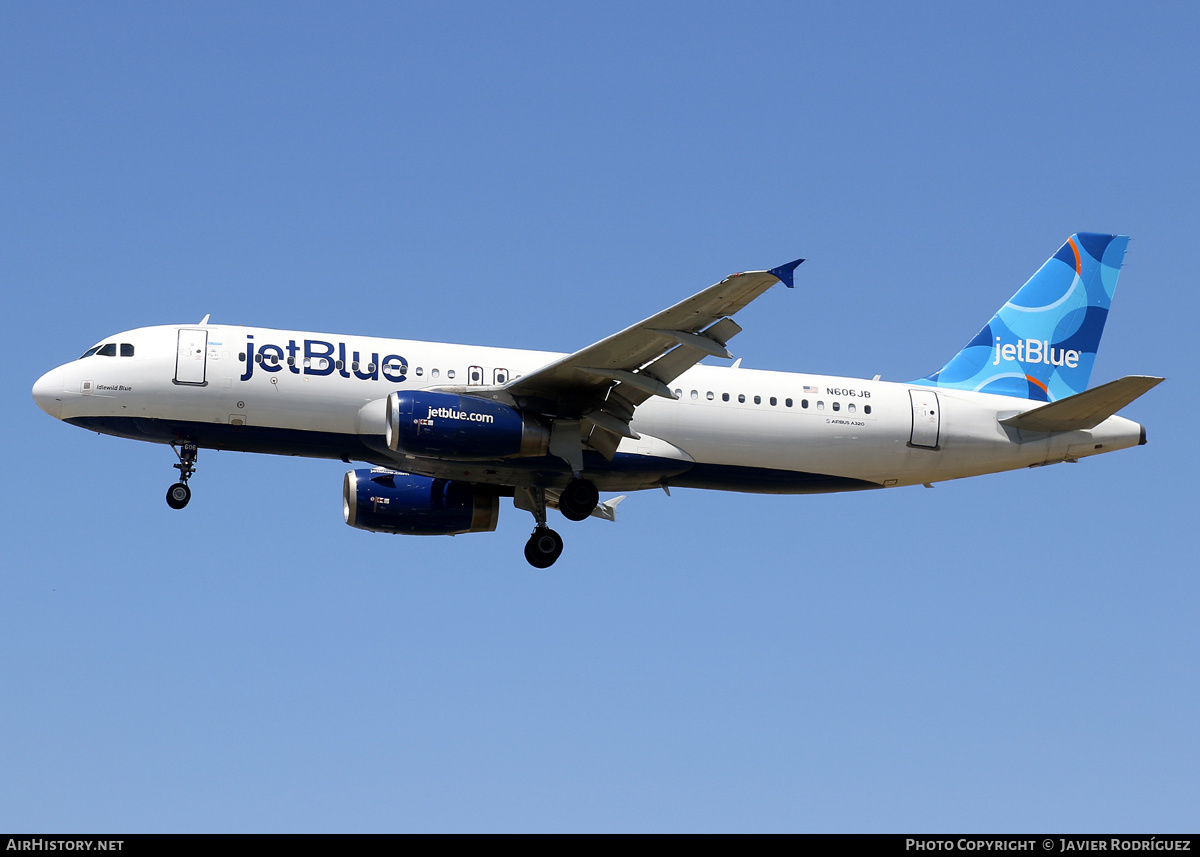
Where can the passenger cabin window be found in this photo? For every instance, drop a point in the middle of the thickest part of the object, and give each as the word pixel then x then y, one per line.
pixel 758 400
pixel 742 398
pixel 774 401
pixel 126 349
pixel 837 406
pixel 724 397
pixel 866 409
pixel 787 402
pixel 449 373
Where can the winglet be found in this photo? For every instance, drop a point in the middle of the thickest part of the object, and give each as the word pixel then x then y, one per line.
pixel 784 273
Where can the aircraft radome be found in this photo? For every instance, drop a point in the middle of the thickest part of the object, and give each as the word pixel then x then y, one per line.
pixel 449 429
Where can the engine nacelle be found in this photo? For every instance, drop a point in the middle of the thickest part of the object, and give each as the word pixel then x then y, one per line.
pixel 384 501
pixel 446 425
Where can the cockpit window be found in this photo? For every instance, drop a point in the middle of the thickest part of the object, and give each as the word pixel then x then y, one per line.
pixel 109 349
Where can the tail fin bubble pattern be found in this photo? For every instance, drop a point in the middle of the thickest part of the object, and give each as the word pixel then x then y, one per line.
pixel 1042 344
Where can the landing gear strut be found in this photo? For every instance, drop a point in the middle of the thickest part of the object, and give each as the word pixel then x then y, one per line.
pixel 179 493
pixel 544 546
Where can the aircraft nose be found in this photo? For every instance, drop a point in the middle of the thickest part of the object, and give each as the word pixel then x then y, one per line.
pixel 48 392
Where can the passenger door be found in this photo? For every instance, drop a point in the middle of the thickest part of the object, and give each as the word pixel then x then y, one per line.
pixel 190 357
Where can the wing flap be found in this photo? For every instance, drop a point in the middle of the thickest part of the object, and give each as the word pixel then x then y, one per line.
pixel 1084 410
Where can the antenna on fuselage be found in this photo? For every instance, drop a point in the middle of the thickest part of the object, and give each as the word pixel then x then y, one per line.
pixel 205 319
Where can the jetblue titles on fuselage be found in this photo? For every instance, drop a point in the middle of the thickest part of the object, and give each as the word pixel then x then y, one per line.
pixel 316 357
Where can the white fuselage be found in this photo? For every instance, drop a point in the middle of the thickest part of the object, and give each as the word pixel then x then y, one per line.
pixel 323 395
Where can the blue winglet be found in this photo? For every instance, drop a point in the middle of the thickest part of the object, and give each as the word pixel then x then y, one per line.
pixel 784 273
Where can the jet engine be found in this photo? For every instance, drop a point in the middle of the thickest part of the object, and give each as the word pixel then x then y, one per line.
pixel 385 501
pixel 446 425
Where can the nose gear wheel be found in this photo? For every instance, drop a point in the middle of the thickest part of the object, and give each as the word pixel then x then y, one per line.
pixel 178 495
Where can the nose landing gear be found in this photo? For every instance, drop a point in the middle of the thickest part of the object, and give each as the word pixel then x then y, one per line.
pixel 179 494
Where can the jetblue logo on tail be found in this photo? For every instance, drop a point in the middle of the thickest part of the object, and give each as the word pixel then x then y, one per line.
pixel 1034 351
pixel 1042 343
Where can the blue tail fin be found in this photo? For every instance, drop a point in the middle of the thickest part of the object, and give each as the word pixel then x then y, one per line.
pixel 1041 344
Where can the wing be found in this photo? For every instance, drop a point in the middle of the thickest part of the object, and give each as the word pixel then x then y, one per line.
pixel 593 393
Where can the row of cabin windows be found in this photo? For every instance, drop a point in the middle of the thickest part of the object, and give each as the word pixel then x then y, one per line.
pixel 476 373
pixel 321 363
pixel 787 403
pixel 109 349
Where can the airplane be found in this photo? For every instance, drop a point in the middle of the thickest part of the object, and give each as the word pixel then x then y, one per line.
pixel 450 429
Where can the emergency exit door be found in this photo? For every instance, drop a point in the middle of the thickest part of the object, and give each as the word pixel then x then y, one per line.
pixel 191 357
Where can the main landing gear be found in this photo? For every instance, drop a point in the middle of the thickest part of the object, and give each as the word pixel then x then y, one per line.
pixel 544 547
pixel 578 499
pixel 179 494
pixel 576 502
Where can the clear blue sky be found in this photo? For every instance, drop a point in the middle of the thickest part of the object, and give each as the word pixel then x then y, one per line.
pixel 1011 653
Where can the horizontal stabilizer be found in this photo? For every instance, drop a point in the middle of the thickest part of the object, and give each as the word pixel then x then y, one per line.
pixel 1084 410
